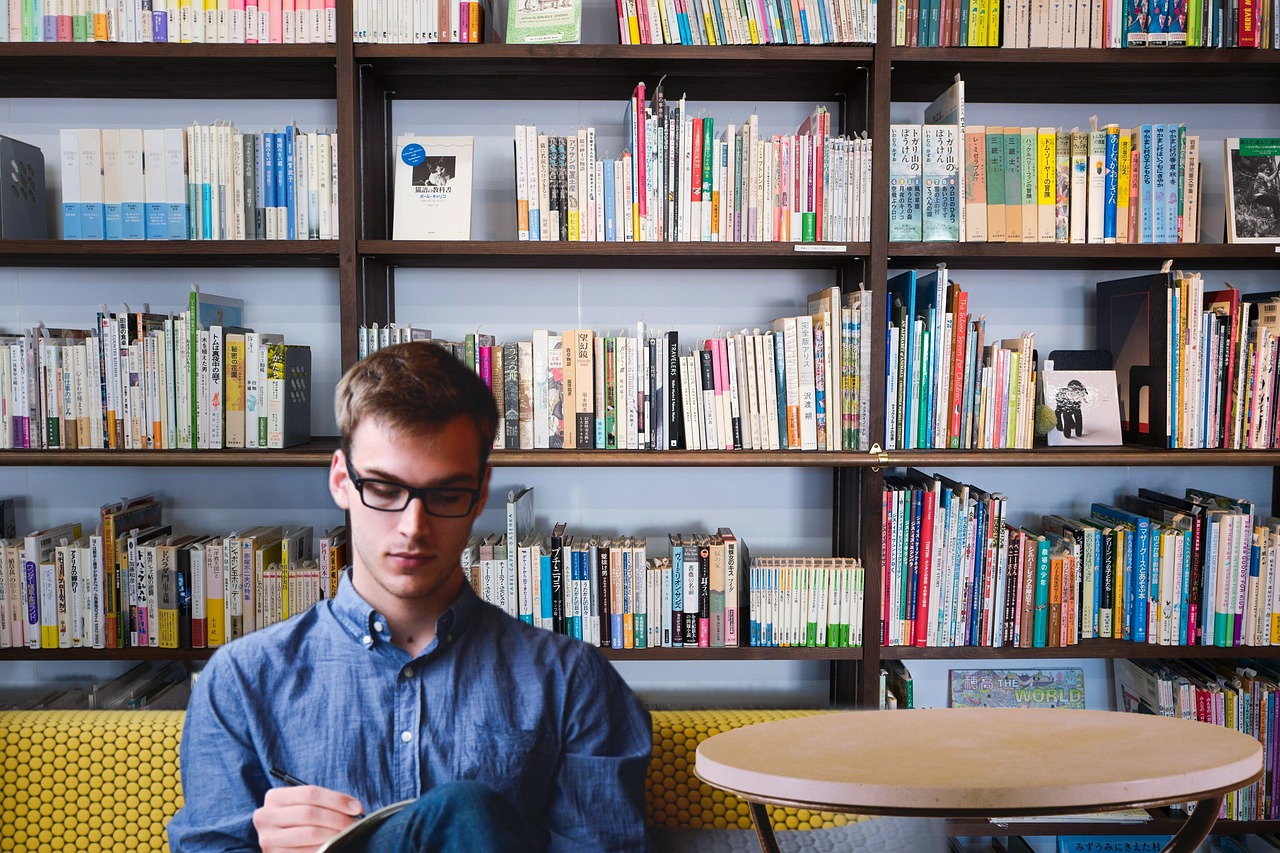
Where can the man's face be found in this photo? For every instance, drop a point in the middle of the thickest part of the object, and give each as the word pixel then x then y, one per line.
pixel 409 558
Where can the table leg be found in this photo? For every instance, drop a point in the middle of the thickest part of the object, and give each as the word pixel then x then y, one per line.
pixel 1196 828
pixel 764 827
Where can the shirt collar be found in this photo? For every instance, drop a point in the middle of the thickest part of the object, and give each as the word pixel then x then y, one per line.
pixel 369 627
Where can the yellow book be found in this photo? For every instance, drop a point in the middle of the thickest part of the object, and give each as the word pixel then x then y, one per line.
pixel 993 22
pixel 1046 182
pixel 1122 187
pixel 215 608
pixel 234 405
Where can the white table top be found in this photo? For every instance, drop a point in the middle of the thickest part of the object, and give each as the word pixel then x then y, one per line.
pixel 961 762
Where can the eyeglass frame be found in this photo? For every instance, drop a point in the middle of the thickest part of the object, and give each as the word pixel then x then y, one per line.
pixel 419 492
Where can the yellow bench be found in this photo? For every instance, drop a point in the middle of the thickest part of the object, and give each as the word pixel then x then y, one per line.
pixel 108 780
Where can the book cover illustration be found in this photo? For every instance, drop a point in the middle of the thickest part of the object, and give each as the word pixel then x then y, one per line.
pixel 544 22
pixel 1085 405
pixel 433 188
pixel 1060 687
pixel 1253 190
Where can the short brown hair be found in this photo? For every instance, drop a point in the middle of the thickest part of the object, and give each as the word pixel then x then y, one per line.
pixel 416 388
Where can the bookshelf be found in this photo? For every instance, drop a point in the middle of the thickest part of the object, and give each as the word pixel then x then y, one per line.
pixel 374 89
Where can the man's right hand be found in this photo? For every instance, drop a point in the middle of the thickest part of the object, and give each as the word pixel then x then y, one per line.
pixel 303 817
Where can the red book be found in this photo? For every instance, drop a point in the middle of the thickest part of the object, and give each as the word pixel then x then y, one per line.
pixel 924 576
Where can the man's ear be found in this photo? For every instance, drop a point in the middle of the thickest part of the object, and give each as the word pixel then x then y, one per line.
pixel 338 480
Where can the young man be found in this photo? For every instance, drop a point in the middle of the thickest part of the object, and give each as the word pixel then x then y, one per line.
pixel 406 685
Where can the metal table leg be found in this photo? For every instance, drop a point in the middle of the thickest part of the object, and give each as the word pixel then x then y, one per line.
pixel 764 828
pixel 1196 828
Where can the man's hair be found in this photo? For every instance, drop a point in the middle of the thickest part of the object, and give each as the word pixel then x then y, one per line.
pixel 417 389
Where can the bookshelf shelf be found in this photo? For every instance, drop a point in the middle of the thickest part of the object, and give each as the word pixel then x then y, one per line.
pixel 60 70
pixel 1059 75
pixel 595 71
pixel 174 253
pixel 315 453
pixel 1139 256
pixel 1162 823
pixel 503 254
pixel 687 654
pixel 1083 649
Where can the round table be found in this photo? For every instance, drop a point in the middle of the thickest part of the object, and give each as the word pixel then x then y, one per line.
pixel 982 762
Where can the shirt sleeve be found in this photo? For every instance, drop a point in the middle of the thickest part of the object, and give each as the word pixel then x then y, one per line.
pixel 599 803
pixel 222 779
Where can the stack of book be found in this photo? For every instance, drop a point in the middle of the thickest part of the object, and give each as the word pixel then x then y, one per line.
pixel 1153 568
pixel 678 179
pixel 804 385
pixel 196 380
pixel 136 584
pixel 1036 184
pixel 947 387
pixel 421 21
pixel 1238 694
pixel 204 182
pixel 1083 24
pixel 808 602
pixel 711 22
pixel 172 21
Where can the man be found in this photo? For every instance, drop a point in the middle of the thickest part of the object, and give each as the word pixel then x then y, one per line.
pixel 406 685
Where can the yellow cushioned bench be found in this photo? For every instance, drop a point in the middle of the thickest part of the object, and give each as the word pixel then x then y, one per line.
pixel 108 780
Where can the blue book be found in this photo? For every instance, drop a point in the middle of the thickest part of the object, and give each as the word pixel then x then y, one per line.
pixel 160 27
pixel 1127 843
pixel 544 575
pixel 1137 563
pixel 1111 182
pixel 677 600
pixel 1040 621
pixel 290 182
pixel 278 175
pixel 267 173
pixel 610 211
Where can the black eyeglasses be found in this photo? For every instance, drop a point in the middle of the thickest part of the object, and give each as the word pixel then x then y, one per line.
pixel 390 496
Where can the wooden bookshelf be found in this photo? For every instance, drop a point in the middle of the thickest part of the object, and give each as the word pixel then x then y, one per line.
pixel 861 83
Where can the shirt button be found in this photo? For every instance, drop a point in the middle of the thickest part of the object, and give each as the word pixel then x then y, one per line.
pixel 377 626
pixel 367 640
pixel 408 672
pixel 406 736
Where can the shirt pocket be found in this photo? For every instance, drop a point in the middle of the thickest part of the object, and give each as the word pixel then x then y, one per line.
pixel 520 764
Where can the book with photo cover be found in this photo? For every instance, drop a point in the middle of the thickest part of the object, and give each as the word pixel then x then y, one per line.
pixel 1085 405
pixel 1253 190
pixel 1046 687
pixel 433 188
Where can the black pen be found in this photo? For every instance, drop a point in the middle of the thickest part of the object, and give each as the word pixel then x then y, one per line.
pixel 290 779
pixel 287 778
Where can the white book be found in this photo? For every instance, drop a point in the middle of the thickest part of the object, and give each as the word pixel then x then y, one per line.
pixel 155 191
pixel 133 194
pixel 324 186
pixel 433 188
pixel 70 174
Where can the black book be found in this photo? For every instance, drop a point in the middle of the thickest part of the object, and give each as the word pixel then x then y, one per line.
pixel 1131 325
pixel 556 546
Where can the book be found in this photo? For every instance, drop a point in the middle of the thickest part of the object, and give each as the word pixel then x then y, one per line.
pixel 544 22
pixel 433 180
pixel 905 185
pixel 357 834
pixel 1253 189
pixel 1131 321
pixel 1049 687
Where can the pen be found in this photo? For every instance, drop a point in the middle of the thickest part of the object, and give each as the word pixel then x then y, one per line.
pixel 290 779
pixel 287 778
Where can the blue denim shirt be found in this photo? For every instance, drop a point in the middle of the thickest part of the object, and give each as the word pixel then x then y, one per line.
pixel 541 718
